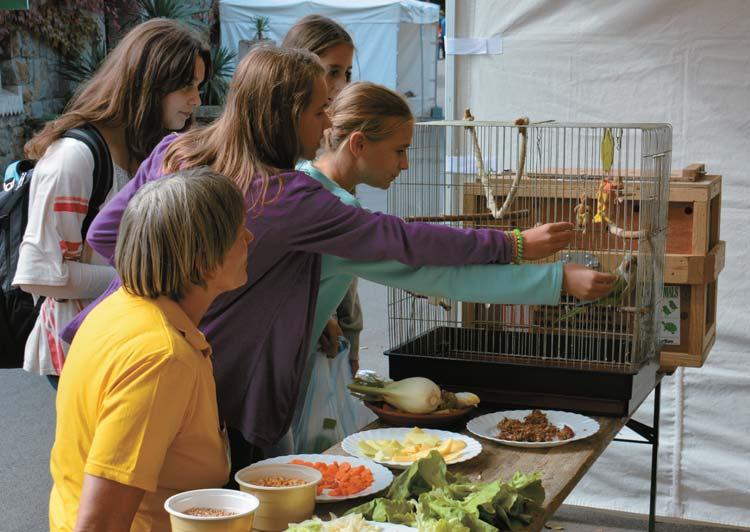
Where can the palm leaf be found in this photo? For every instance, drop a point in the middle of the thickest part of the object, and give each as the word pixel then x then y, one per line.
pixel 173 9
pixel 81 68
pixel 221 70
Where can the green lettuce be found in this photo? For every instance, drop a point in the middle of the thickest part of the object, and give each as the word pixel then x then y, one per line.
pixel 386 511
pixel 422 476
pixel 428 496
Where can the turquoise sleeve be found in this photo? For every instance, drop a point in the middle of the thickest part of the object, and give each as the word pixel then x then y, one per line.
pixel 533 284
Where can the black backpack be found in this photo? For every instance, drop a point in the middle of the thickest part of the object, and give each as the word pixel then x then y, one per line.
pixel 17 310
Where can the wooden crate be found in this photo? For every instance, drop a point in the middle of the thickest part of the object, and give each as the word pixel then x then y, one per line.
pixel 694 261
pixel 694 251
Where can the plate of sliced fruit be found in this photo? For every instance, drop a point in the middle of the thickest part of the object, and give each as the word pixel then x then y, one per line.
pixel 400 447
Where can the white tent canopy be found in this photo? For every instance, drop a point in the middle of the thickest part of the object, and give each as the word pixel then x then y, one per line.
pixel 395 40
pixel 686 63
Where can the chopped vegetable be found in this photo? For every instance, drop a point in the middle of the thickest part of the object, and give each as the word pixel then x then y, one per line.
pixel 340 479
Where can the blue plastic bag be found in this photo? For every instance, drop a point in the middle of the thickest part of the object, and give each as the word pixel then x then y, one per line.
pixel 328 413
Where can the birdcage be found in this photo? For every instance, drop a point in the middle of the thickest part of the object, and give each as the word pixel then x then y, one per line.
pixel 611 181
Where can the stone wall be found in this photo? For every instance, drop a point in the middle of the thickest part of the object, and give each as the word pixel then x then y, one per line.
pixel 31 67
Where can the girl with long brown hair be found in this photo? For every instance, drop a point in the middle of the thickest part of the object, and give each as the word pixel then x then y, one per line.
pixel 275 115
pixel 330 42
pixel 147 87
pixel 335 48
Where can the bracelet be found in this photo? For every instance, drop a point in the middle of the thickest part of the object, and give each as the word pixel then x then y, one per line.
pixel 519 243
pixel 513 244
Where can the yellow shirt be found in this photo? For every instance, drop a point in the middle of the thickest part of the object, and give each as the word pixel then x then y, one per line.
pixel 136 404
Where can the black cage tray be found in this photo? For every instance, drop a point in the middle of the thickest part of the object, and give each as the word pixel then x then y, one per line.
pixel 605 387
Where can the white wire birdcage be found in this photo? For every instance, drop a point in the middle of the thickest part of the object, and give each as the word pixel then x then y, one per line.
pixel 611 180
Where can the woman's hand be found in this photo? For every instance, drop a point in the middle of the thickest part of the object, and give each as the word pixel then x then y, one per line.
pixel 329 340
pixel 585 283
pixel 546 239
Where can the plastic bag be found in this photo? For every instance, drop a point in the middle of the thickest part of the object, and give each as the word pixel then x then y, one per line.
pixel 329 414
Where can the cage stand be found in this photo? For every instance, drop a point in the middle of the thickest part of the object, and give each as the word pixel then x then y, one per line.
pixel 650 436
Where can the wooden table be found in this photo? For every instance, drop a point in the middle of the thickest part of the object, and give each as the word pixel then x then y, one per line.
pixel 562 467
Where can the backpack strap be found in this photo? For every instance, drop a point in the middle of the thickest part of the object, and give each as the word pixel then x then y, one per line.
pixel 91 137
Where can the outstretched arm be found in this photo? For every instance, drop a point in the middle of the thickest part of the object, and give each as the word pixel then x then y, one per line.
pixel 323 224
pixel 518 284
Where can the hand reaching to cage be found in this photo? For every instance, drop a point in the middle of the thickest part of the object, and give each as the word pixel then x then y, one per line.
pixel 585 283
pixel 545 240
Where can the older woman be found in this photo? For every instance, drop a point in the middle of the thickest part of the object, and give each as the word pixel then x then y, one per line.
pixel 137 419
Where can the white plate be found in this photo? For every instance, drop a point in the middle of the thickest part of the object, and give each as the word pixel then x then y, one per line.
pixel 381 477
pixel 390 527
pixel 472 449
pixel 486 426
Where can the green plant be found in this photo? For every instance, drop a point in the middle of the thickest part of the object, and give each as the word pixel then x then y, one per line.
pixel 81 67
pixel 65 25
pixel 174 9
pixel 215 88
pixel 261 26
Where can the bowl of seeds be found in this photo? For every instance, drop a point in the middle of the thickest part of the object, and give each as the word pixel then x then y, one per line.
pixel 212 510
pixel 286 493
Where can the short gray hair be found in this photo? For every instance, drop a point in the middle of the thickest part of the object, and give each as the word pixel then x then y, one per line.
pixel 177 229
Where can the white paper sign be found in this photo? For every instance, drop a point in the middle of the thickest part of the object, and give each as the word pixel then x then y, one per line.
pixel 474 46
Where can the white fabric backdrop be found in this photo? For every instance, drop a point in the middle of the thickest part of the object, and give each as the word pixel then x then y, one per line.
pixel 686 62
pixel 386 35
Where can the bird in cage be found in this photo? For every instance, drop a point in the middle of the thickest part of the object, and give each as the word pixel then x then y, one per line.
pixel 626 275
pixel 583 214
pixel 606 187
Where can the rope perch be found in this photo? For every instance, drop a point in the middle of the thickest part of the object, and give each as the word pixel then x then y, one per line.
pixel 484 178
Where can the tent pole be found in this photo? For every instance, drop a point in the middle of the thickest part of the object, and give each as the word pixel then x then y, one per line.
pixel 450 62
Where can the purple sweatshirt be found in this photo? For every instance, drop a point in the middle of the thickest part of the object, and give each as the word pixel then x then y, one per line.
pixel 260 333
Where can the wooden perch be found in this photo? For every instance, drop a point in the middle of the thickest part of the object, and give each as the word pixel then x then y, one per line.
pixel 623 233
pixel 478 218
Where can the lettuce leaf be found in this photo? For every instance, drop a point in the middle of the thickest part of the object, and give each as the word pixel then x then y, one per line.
pixel 435 500
pixel 386 511
pixel 422 476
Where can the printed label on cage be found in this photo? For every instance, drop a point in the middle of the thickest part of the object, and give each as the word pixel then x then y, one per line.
pixel 668 315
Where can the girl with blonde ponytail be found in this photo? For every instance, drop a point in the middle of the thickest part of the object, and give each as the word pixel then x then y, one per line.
pixel 367 144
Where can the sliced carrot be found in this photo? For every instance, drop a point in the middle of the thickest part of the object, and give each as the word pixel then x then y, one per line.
pixel 341 479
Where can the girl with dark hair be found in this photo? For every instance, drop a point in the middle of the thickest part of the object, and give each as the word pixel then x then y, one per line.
pixel 330 42
pixel 147 87
pixel 335 47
